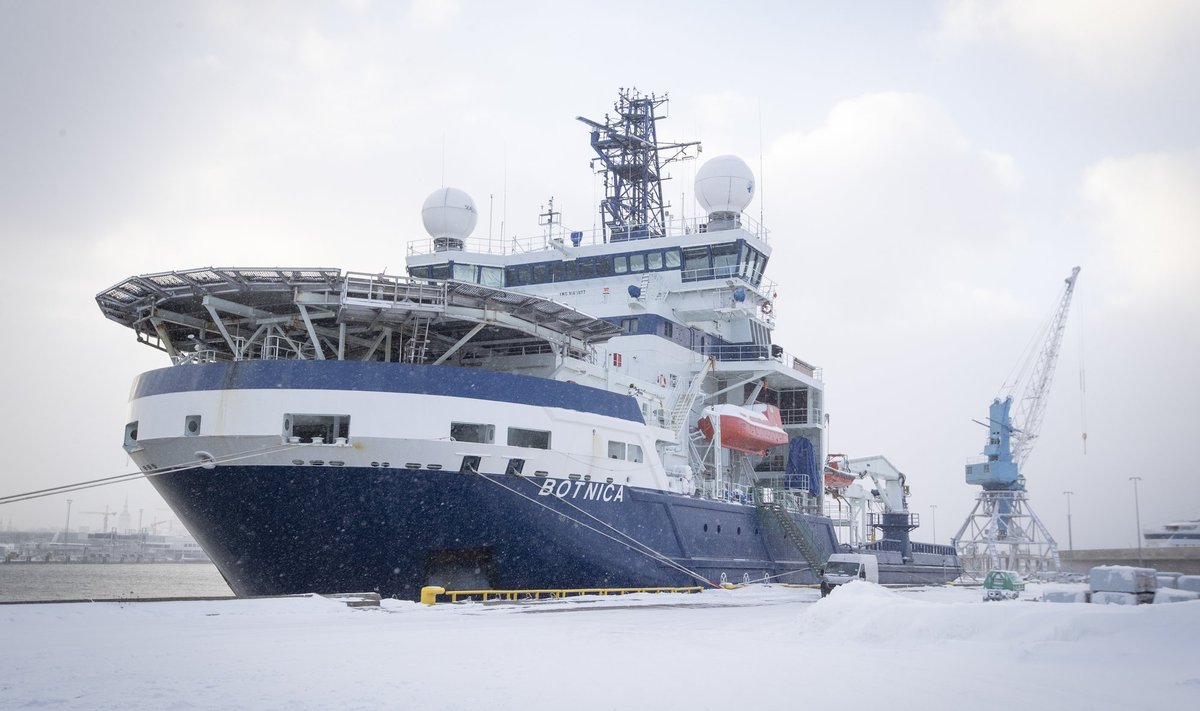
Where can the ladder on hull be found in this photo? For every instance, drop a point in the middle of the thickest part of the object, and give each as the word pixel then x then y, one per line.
pixel 796 530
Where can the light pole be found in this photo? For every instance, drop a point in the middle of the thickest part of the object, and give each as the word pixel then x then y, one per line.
pixel 933 517
pixel 1070 540
pixel 1137 511
pixel 67 528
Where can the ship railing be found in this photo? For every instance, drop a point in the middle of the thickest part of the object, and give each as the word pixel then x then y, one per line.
pixel 199 356
pixel 788 500
pixel 392 289
pixel 562 238
pixel 888 544
pixel 757 352
pixel 802 416
pixel 755 280
pixel 726 491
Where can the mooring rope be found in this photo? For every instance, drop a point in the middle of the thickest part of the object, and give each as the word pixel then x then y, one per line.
pixel 131 476
pixel 644 550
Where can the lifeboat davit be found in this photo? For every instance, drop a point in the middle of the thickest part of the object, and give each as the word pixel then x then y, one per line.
pixel 752 429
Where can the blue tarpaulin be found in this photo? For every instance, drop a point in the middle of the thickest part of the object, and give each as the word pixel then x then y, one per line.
pixel 801 470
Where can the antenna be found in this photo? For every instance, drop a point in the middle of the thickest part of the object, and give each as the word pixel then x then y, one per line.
pixel 504 200
pixel 760 165
pixel 549 219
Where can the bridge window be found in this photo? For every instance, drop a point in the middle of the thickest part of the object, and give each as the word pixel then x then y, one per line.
pixel 637 262
pixel 696 264
pixel 536 439
pixel 654 260
pixel 472 432
pixel 491 276
pixel 441 272
pixel 672 258
pixel 724 259
pixel 620 264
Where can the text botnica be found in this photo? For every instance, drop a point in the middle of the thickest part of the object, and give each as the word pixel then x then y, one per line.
pixel 585 490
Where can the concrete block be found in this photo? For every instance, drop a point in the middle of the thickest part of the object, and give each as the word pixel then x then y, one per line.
pixel 1123 578
pixel 1167 580
pixel 1067 596
pixel 1164 595
pixel 1105 597
pixel 1188 582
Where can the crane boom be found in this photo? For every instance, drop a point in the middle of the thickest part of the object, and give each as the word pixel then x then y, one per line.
pixel 1032 406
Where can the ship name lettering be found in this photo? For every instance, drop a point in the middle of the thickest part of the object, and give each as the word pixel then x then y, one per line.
pixel 588 491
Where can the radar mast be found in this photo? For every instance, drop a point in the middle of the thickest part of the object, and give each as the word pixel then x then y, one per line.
pixel 632 160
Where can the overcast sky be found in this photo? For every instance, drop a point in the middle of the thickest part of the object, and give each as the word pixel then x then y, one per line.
pixel 930 173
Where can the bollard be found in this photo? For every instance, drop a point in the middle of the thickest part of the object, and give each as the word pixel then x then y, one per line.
pixel 429 594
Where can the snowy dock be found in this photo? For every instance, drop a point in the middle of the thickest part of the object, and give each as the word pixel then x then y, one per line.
pixel 758 647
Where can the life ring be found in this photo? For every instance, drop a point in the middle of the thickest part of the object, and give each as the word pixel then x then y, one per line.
pixel 766 307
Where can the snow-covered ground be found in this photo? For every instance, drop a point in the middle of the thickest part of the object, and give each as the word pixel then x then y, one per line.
pixel 863 647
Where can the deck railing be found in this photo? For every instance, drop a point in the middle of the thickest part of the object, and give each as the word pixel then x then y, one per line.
pixel 565 238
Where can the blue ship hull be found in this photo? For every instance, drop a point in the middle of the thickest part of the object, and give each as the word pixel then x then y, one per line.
pixel 283 530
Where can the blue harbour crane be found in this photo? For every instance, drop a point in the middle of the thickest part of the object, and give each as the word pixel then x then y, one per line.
pixel 1002 530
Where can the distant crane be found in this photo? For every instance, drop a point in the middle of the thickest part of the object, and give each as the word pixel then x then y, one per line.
pixel 105 513
pixel 1002 530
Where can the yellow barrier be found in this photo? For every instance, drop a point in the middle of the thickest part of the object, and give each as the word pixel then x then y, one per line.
pixel 430 593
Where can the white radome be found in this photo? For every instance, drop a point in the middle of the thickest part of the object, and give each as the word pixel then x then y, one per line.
pixel 449 213
pixel 724 184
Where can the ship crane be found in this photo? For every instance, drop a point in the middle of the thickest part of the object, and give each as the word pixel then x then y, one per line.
pixel 1002 530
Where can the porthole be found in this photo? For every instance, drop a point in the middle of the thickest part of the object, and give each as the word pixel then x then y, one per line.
pixel 739 530
pixel 718 528
pixel 706 528
pixel 298 462
pixel 317 462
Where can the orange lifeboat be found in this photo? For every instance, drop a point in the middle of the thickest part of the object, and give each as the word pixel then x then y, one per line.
pixel 752 429
pixel 835 478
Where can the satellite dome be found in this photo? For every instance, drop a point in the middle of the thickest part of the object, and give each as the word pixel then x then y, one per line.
pixel 449 215
pixel 725 184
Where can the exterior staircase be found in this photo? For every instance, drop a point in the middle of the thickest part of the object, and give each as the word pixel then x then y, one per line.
pixel 770 508
pixel 684 402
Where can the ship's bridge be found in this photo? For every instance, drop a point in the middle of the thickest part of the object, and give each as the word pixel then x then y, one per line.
pixel 239 314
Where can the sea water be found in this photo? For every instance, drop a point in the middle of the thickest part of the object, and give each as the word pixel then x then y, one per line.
pixel 108 581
